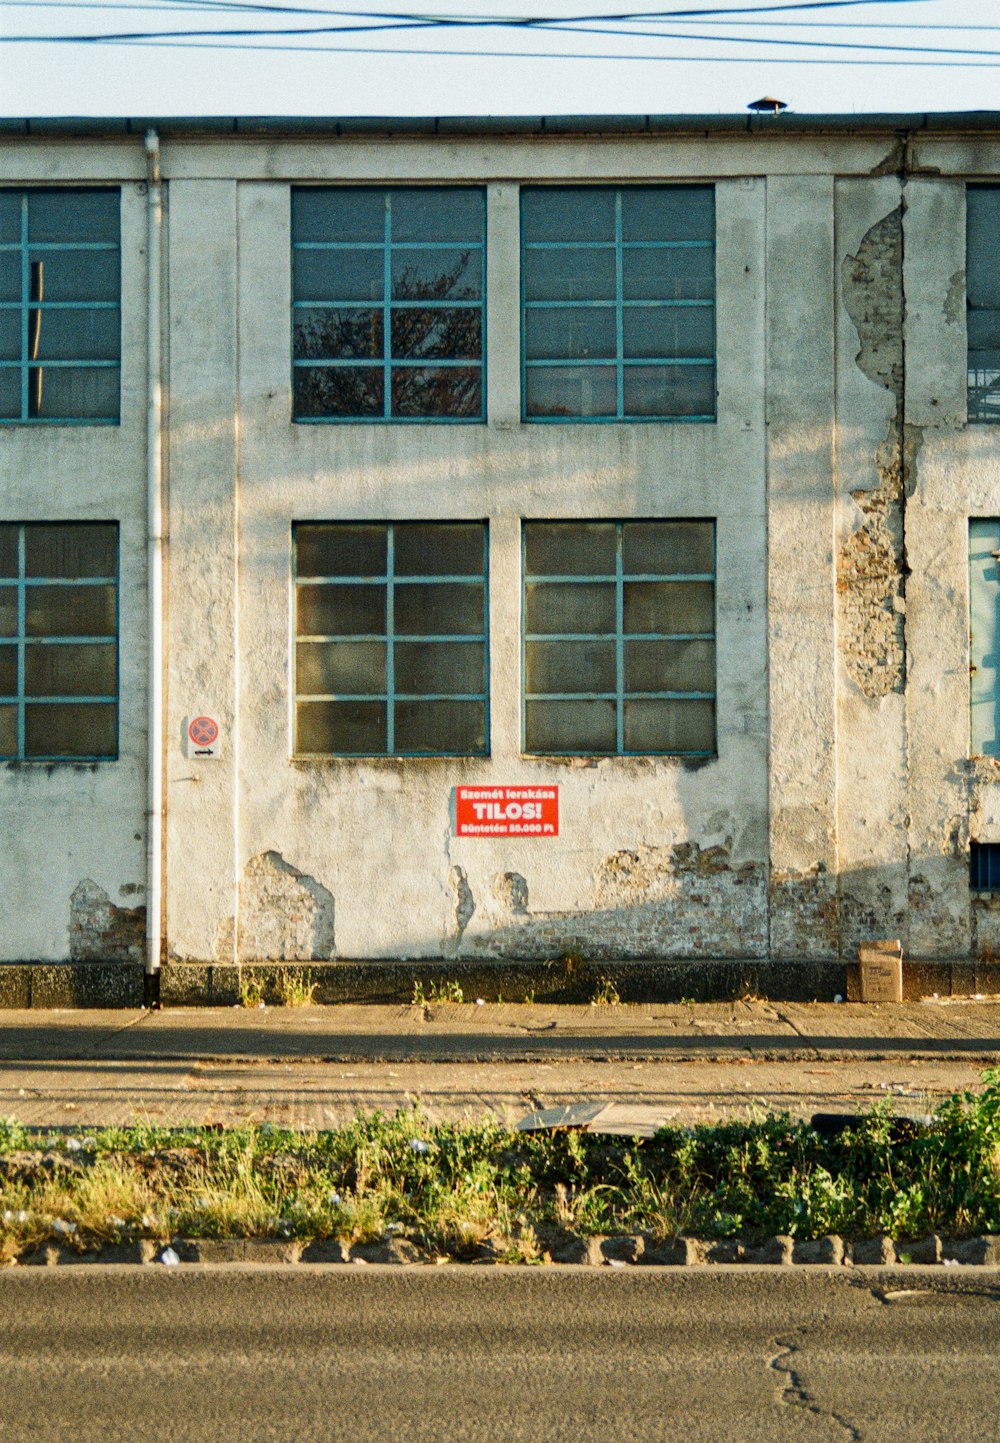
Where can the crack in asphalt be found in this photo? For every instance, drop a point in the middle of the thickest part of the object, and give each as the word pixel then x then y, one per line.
pixel 795 1394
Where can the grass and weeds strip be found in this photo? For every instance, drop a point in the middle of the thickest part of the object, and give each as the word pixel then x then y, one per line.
pixel 455 1188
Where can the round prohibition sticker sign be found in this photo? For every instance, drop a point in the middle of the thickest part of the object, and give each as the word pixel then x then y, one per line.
pixel 203 731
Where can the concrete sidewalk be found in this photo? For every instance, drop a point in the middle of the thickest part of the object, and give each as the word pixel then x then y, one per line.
pixel 317 1066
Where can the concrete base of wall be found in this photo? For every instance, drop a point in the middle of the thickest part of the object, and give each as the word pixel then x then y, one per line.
pixel 71 984
pixel 197 984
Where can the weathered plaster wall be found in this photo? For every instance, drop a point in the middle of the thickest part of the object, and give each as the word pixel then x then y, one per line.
pixel 64 823
pixel 841 473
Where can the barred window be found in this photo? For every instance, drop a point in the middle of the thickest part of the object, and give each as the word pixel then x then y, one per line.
pixel 983 301
pixel 387 308
pixel 60 316
pixel 619 637
pixel 390 639
pixel 618 288
pixel 58 641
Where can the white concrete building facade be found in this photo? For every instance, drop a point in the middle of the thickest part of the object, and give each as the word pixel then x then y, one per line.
pixel 634 461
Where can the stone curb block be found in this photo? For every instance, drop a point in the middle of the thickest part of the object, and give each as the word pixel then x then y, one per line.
pixel 627 1251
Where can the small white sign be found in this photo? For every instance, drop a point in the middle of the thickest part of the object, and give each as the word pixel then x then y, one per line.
pixel 202 738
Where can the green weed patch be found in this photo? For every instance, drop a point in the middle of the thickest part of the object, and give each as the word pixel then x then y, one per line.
pixel 455 1187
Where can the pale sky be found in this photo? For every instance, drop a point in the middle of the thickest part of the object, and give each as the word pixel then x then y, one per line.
pixel 819 56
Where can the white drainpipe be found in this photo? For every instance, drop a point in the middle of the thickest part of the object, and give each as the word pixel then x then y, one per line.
pixel 154 567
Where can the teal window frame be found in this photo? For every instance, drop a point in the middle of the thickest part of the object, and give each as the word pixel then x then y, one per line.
pixel 29 252
pixel 20 585
pixel 620 577
pixel 620 304
pixel 387 305
pixel 390 638
pixel 984 866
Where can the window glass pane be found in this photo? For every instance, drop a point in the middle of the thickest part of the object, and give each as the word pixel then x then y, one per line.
pixel 436 275
pixel 326 334
pixel 669 606
pixel 70 611
pixel 8 550
pixel 8 731
pixel 570 333
pixel 10 393
pixel 439 214
pixel 442 727
pixel 74 335
pixel 338 214
pixel 338 391
pixel 70 670
pixel 10 217
pixel 570 666
pixel 338 275
pixel 354 668
pixel 669 666
pixel 438 610
pixel 437 334
pixel 675 212
pixel 570 548
pixel 984 330
pixel 569 275
pixel 436 391
pixel 75 276
pixel 329 728
pixel 10 335
pixel 73 392
pixel 570 726
pixel 70 552
pixel 568 214
pixel 8 611
pixel 432 549
pixel 8 671
pixel 571 391
pixel 88 729
pixel 678 547
pixel 10 275
pixel 669 274
pixel 669 390
pixel 73 215
pixel 340 611
pixel 572 607
pixel 340 550
pixel 670 726
pixel 668 331
pixel 428 667
pixel 982 228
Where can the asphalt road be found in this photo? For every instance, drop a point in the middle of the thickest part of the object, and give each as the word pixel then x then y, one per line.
pixel 504 1355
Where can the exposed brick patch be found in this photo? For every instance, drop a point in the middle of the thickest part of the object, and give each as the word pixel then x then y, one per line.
pixel 871 566
pixel 101 932
pixel 285 915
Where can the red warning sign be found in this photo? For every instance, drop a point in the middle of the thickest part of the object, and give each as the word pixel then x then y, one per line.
pixel 203 731
pixel 507 811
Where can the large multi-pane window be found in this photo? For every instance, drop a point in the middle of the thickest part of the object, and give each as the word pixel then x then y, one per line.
pixel 983 301
pixel 619 637
pixel 60 322
pixel 387 304
pixel 618 287
pixel 390 639
pixel 58 641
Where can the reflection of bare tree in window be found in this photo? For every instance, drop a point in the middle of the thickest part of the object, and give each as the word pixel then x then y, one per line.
pixel 431 335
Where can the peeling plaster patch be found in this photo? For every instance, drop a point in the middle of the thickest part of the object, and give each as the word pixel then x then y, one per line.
pixel 871 566
pixel 954 301
pixel 101 932
pixel 285 915
pixel 511 892
pixel 805 913
pixel 464 904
